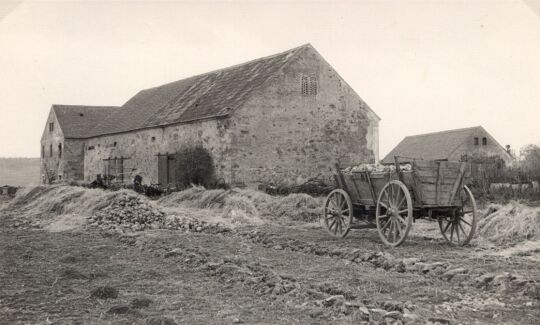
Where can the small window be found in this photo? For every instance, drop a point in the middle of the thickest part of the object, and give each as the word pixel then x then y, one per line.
pixel 51 126
pixel 50 150
pixel 484 141
pixel 475 141
pixel 59 150
pixel 153 139
pixel 114 144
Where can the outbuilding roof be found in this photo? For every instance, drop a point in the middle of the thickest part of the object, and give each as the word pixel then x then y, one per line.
pixel 79 121
pixel 432 146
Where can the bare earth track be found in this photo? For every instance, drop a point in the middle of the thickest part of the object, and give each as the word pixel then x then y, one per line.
pixel 256 275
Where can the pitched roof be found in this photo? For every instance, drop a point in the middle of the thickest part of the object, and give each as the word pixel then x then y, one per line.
pixel 208 95
pixel 78 121
pixel 432 146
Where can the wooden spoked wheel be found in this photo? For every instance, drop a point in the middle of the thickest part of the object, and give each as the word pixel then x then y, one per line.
pixel 338 213
pixel 458 229
pixel 394 213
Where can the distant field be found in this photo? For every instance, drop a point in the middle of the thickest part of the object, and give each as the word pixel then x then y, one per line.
pixel 19 171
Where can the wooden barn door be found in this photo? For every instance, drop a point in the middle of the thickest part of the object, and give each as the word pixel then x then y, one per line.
pixel 162 170
pixel 166 169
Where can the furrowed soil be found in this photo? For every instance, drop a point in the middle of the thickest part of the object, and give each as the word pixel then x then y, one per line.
pixel 269 273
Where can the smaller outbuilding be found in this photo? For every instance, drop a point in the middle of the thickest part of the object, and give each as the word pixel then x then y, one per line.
pixel 450 145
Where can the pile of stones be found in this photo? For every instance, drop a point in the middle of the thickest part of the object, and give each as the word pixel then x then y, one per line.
pixel 129 213
pixel 184 223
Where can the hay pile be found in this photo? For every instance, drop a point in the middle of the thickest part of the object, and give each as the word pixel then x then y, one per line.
pixel 510 223
pixel 247 205
pixel 61 200
pixel 129 211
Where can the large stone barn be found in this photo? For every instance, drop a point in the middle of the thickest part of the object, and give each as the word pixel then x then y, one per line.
pixel 280 119
pixel 452 145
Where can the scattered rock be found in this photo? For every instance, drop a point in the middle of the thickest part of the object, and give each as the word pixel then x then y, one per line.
pixel 278 247
pixel 118 310
pixel 410 318
pixel 363 313
pixel 451 273
pixel 377 314
pixel 237 321
pixel 484 279
pixel 337 301
pixel 391 305
pixel 105 292
pixel 172 253
pixel 393 314
pixel 72 274
pixel 159 321
pixel 141 302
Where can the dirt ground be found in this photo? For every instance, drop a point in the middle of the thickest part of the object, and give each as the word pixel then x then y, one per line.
pixel 266 274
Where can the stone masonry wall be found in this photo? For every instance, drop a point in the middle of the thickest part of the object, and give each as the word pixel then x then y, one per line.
pixel 282 136
pixel 51 164
pixel 143 146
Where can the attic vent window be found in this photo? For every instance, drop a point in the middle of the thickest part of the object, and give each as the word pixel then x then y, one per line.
pixel 51 126
pixel 309 86
pixel 484 141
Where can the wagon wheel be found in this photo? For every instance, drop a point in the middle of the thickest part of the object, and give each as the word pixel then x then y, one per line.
pixel 458 229
pixel 394 213
pixel 338 213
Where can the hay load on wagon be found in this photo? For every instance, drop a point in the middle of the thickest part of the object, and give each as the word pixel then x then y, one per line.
pixel 391 197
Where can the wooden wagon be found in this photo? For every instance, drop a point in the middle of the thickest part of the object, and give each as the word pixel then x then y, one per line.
pixel 392 200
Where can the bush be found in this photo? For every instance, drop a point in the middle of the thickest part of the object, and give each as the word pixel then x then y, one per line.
pixel 195 166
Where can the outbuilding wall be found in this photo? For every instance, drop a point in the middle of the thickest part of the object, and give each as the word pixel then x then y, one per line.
pixel 491 148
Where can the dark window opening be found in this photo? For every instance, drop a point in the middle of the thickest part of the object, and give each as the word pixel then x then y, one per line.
pixel 114 144
pixel 475 141
pixel 90 148
pixel 50 150
pixel 81 114
pixel 153 139
pixel 51 126
pixel 59 150
pixel 484 141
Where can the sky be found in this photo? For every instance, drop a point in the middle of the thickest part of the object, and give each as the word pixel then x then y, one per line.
pixel 422 66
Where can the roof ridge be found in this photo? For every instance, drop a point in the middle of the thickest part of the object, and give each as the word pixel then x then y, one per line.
pixel 442 132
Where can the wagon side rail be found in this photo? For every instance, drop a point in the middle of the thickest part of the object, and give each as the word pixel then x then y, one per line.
pixel 438 183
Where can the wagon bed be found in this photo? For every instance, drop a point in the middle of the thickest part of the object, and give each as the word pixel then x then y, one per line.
pixel 391 200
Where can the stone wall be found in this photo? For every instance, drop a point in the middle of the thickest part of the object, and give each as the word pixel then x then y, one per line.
pixel 51 164
pixel 283 136
pixel 143 146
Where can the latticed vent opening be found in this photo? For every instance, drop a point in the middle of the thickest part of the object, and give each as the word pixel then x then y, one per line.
pixel 309 86
pixel 313 86
pixel 305 88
